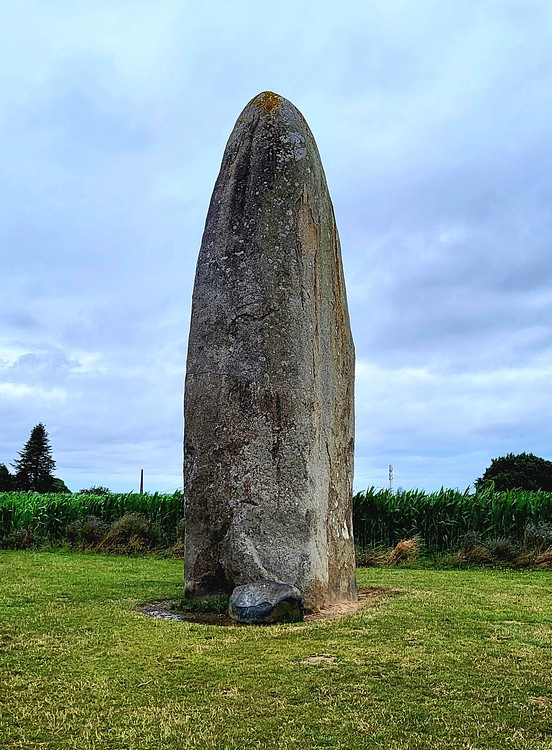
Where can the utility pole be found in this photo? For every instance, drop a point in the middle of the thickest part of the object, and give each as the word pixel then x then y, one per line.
pixel 141 481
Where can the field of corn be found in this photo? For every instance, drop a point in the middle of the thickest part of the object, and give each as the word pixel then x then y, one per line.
pixel 110 521
pixel 441 521
pixel 448 519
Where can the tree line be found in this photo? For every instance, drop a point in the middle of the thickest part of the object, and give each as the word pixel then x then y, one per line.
pixel 33 470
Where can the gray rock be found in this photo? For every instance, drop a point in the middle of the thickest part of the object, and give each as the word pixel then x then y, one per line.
pixel 265 602
pixel 269 424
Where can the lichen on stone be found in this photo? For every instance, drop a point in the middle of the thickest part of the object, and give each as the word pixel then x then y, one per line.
pixel 268 100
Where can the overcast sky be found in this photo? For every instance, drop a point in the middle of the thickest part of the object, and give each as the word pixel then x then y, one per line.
pixel 434 122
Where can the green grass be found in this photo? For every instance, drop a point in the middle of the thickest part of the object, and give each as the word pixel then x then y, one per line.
pixel 461 659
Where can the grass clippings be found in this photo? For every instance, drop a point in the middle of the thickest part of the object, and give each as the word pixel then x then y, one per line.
pixel 405 551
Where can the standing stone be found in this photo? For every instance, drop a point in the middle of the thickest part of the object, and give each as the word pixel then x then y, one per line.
pixel 269 423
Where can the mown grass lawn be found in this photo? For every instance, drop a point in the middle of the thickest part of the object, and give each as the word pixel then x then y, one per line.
pixel 459 659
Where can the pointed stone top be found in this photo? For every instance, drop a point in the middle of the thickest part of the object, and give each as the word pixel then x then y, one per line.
pixel 268 101
pixel 272 121
pixel 276 107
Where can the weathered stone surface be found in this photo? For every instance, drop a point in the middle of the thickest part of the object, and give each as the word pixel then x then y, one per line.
pixel 265 602
pixel 268 444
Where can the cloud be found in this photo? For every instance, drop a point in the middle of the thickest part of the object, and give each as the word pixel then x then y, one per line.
pixel 433 122
pixel 420 419
pixel 23 391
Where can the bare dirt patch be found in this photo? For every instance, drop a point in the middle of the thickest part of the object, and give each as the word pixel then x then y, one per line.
pixel 320 659
pixel 169 609
pixel 366 597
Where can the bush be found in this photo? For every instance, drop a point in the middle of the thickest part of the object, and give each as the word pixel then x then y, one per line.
pixel 478 554
pixel 23 538
pixel 87 532
pixel 371 557
pixel 537 536
pixel 131 533
pixel 502 549
pixel 470 541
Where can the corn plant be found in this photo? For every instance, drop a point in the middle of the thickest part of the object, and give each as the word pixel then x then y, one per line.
pixel 441 519
pixel 48 515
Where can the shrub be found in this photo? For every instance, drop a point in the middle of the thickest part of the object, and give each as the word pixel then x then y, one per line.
pixel 502 549
pixel 23 538
pixel 478 554
pixel 470 541
pixel 131 533
pixel 371 557
pixel 537 536
pixel 87 532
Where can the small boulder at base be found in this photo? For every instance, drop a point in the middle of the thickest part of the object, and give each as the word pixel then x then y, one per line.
pixel 265 602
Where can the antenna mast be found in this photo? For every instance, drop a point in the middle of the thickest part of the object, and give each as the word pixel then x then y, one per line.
pixel 390 477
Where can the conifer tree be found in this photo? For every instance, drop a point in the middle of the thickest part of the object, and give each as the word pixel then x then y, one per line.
pixel 7 480
pixel 33 469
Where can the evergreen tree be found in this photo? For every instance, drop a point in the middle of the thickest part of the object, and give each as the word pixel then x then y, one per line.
pixel 33 470
pixel 7 480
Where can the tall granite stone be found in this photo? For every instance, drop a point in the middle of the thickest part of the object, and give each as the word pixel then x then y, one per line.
pixel 269 422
